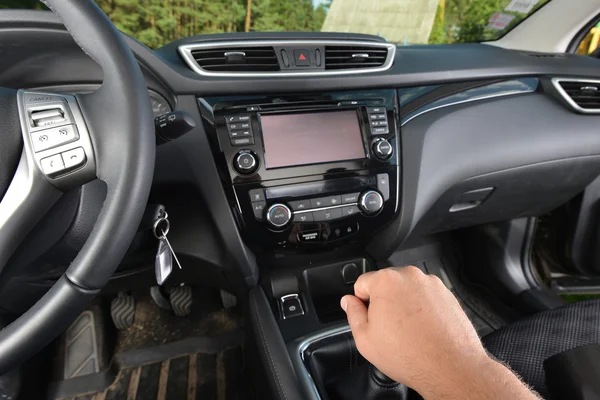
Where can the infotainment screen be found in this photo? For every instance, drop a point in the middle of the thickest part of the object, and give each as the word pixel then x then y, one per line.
pixel 312 138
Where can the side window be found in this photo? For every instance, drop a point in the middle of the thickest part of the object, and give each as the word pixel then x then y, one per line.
pixel 590 41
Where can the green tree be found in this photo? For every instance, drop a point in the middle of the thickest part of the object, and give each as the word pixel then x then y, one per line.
pixel 459 21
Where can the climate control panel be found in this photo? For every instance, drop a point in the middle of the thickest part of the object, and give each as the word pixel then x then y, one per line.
pixel 319 212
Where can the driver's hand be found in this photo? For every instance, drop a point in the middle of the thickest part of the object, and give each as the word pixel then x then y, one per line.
pixel 416 333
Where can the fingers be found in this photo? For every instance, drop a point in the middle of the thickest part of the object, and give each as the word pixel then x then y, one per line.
pixel 356 312
pixel 363 286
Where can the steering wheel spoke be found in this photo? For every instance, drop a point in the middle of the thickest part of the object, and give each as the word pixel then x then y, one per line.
pixel 56 138
pixel 68 141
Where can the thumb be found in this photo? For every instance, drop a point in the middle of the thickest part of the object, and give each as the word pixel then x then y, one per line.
pixel 356 312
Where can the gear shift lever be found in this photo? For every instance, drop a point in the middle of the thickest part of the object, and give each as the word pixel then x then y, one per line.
pixel 381 378
pixel 369 383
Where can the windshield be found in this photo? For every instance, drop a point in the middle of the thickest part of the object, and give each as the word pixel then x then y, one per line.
pixel 405 22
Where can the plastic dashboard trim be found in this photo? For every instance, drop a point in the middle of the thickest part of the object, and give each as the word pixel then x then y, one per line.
pixel 186 52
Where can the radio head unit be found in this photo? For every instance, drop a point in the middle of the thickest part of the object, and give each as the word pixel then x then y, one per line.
pixel 311 172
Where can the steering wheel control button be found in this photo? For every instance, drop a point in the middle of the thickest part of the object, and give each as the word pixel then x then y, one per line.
pixel 304 217
pixel 256 195
pixel 291 306
pixel 245 162
pixel 328 215
pixel 32 99
pixel 301 58
pixel 258 207
pixel 382 149
pixel 74 158
pixel 278 215
pixel 350 198
pixel 383 185
pixel 53 137
pixel 350 211
pixel 49 117
pixel 371 202
pixel 53 165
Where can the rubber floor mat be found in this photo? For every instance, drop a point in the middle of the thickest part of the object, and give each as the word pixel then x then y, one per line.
pixel 197 376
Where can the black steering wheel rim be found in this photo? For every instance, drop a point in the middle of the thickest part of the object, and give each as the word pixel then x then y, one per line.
pixel 119 119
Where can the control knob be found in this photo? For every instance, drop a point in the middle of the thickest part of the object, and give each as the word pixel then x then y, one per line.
pixel 370 202
pixel 278 215
pixel 245 162
pixel 382 149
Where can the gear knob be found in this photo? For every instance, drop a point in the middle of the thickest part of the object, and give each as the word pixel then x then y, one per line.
pixel 381 378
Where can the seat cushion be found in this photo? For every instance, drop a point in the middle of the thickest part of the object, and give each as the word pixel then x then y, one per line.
pixel 525 344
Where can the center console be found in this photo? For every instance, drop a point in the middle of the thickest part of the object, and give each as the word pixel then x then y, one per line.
pixel 311 180
pixel 310 172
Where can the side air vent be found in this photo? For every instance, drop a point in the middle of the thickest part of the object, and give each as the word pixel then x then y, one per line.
pixel 582 95
pixel 237 59
pixel 277 58
pixel 347 57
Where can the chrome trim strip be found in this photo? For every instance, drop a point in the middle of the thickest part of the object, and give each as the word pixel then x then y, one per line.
pixel 297 350
pixel 568 99
pixel 325 208
pixel 186 52
pixel 282 300
pixel 500 89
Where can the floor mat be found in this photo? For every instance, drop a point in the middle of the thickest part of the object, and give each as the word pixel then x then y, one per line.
pixel 166 357
pixel 154 326
pixel 192 377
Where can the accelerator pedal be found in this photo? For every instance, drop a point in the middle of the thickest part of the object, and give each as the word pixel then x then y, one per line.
pixel 180 298
pixel 122 310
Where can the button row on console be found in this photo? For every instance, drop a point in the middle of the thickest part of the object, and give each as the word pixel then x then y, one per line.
pixel 329 214
pixel 240 129
pixel 328 234
pixel 378 120
pixel 321 202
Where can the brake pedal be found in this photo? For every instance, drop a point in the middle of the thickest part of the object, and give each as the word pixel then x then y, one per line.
pixel 122 310
pixel 180 298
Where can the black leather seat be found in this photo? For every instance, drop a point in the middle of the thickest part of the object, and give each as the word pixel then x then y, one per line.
pixel 526 344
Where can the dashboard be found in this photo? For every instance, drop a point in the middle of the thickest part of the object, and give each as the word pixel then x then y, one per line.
pixel 303 159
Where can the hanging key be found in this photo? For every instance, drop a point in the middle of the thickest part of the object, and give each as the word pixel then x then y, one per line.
pixel 163 262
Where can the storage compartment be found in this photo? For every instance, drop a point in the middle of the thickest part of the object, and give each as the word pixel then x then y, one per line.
pixel 530 190
pixel 327 284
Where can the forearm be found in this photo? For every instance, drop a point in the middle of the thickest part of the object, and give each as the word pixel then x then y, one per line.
pixel 483 380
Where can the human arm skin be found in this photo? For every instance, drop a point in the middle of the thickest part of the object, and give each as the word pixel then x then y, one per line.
pixel 415 332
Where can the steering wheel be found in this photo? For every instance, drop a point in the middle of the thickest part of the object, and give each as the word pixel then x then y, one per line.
pixel 59 142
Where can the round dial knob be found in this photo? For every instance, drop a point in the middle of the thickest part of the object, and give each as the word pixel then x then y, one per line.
pixel 245 162
pixel 382 149
pixel 370 202
pixel 278 215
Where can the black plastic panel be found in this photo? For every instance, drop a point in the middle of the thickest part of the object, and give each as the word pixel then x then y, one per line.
pixel 443 150
pixel 305 182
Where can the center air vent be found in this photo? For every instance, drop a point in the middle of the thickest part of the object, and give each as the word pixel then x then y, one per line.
pixel 279 58
pixel 582 95
pixel 347 57
pixel 236 59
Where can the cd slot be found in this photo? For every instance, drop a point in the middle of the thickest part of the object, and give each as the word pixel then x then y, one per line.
pixel 322 187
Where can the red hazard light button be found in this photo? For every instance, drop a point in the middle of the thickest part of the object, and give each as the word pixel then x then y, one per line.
pixel 301 58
